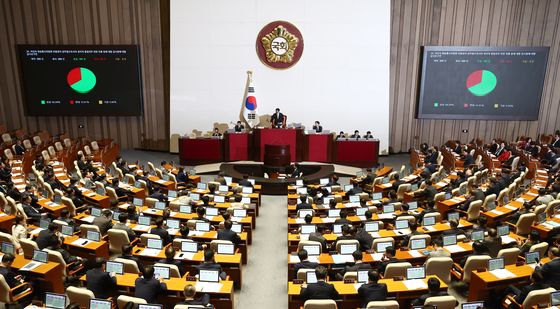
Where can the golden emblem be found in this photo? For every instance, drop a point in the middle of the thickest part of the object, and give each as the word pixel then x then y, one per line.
pixel 279 45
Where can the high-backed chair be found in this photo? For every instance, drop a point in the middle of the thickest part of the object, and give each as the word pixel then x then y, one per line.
pixel 123 300
pixel 28 246
pixel 67 269
pixel 81 296
pixel 380 240
pixel 473 212
pixel 510 255
pixel 319 303
pixel 84 228
pixel 145 236
pixel 5 237
pixel 533 299
pixel 307 243
pixel 12 295
pixel 302 273
pixel 488 201
pixel 442 302
pixel 150 202
pixel 436 215
pixel 441 267
pixel 173 269
pixel 540 247
pixel 117 239
pixel 384 304
pixel 524 223
pixel 347 242
pixel 473 262
pixel 396 270
pixel 130 266
pixel 552 205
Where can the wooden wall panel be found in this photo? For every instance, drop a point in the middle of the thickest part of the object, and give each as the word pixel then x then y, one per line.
pixel 87 22
pixel 468 22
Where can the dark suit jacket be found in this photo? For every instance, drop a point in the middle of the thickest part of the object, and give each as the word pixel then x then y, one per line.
pixel 230 235
pixel 9 276
pixel 159 196
pixel 493 245
pixel 526 289
pixel 19 150
pixel 556 143
pixel 396 184
pixel 161 233
pixel 182 177
pixel 320 238
pixel 149 289
pixel 318 129
pixel 100 283
pixel 245 183
pixel 202 300
pixel 46 239
pixel 372 292
pixel 239 128
pixel 103 223
pixel 276 119
pixel 468 160
pixel 303 206
pixel 455 231
pixel 551 273
pixel 422 299
pixel 365 239
pixel 177 263
pixel 319 290
pixel 354 191
pixel 304 264
pixel 31 212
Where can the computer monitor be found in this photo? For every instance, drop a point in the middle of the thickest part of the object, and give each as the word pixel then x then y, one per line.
pixel 194 196
pixel 206 275
pixel 96 212
pixel 308 228
pixel 377 196
pixel 532 257
pixel 491 205
pixel 324 181
pixel 389 208
pixel 449 240
pixel 299 183
pixel 555 298
pixel 171 193
pixel 202 226
pixel 173 223
pixel 301 191
pixel 304 212
pixel 138 184
pixel 348 188
pixel 412 205
pixel 44 224
pixel 55 301
pixel 414 187
pixel 212 211
pixel 542 217
pixel 151 306
pixel 417 244
pixel 58 199
pixel 165 177
pixel 401 224
pixel 382 246
pixel 348 248
pixel 185 209
pixel 363 276
pixel 337 228
pixel 361 211
pixel 161 272
pixel 252 181
pixel 8 248
pixel 159 205
pixel 372 226
pixel 144 220
pixel 138 201
pixel 219 199
pixel 415 273
pixel 240 213
pixel 154 243
pixel 354 198
pixel 100 191
pixel 312 249
pixel 503 230
pixel 327 200
pixel 114 267
pixel 189 246
pixel 116 215
pixel 360 174
pixel 236 227
pixel 448 195
pixel 453 216
pixel 247 190
pixel 40 256
pixel 246 200
pixel 228 180
pixel 385 180
pixel 477 235
pixel 429 221
pixel 93 236
pixel 310 277
pixel 201 186
pixel 473 305
pixel 226 249
pixel 334 213
pixel 223 188
pixel 497 263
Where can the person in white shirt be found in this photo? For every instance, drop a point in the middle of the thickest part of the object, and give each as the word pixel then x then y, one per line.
pixel 19 230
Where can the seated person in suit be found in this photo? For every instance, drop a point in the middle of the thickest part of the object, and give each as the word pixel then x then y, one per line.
pixel 303 262
pixel 413 231
pixel 358 265
pixel 121 192
pixel 363 236
pixel 397 182
pixel 227 234
pixel 368 135
pixel 220 179
pixel 12 279
pixel 18 147
pixel 210 263
pixel 104 221
pixel 348 233
pixel 190 293
pixel 277 119
pixel 100 282
pixel 428 192
pixel 296 172
pixel 318 236
pixel 356 134
pixel 479 248
pixel 519 294
pixel 303 204
pixel 493 242
pixel 334 181
pixel 372 291
pixel 319 290
pixel 239 127
pixel 356 189
pixel 200 214
pixel 387 258
pixel 433 290
pixel 317 127
pixel 170 259
pixel 158 195
pixel 454 229
pixel 127 254
pixel 245 182
pixel 131 213
pixel 551 270
pixel 340 136
pixel 121 225
pixel 342 219
pixel 48 238
pixel 147 287
pixel 160 231
pixel 182 177
pixel 216 133
pixel 33 214
pixel 438 249
pixel 524 245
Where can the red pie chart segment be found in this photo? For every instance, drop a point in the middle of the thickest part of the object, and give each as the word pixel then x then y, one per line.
pixel 474 78
pixel 74 76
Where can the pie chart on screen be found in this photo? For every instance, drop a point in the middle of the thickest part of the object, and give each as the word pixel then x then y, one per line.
pixel 481 82
pixel 81 80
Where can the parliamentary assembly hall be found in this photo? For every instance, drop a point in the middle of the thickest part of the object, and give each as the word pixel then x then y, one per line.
pixel 279 154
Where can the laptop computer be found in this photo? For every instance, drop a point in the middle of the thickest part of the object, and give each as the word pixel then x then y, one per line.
pixel 372 226
pixel 236 227
pixel 337 228
pixel 55 301
pixel 382 246
pixel 171 193
pixel 173 223
pixel 228 180
pixel 555 298
pixel 377 196
pixel 532 257
pixel 151 306
pixel 206 275
pixel 219 199
pixel 324 181
pixel 299 183
pixel 449 240
pixel 144 220
pixel 246 200
pixel 159 205
pixel 333 213
pixel 453 216
pixel 189 246
pixel 417 244
pixel 201 186
pixel 302 213
pixel 100 304
pixel 388 208
pixel 473 305
pixel 39 258
pixel 415 273
pixel 223 188
pixel 477 235
pixel 348 248
pixel 44 224
pixel 503 230
pixel 212 211
pixel 185 209
pixel 312 250
pixel 354 198
pixel 348 188
pixel 100 191
pixel 202 226
pixel 154 244
pixel 228 249
pixel 114 267
pixel 363 276
pixel 412 205
pixel 247 190
pixel 310 277
pixel 96 212
pixel 161 272
pixel 93 236
pixel 497 263
pixel 301 191
pixel 194 196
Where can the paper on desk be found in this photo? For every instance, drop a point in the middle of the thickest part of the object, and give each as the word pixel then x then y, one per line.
pixel 357 286
pixel 362 218
pixel 415 284
pixel 91 194
pixel 429 228
pixel 329 220
pixel 150 252
pixel 208 287
pixel 547 226
pixel 294 259
pixel 531 194
pixel 376 256
pixel 351 205
pixel 506 239
pixel 415 253
pixel 497 212
pixel 2 214
pixel 88 219
pixel 441 184
pixel 386 216
pixel 520 200
pixel 510 207
pixel 342 258
pixel 313 258
pixel 553 223
pixel 304 237
pixel 374 234
pixel 502 273
pixel 81 242
pixel 35 231
pixel 454 248
pixel 300 220
pixel 196 233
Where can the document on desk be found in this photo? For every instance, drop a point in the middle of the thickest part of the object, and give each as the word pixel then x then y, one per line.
pixel 415 284
pixel 88 219
pixel 374 234
pixel 553 223
pixel 304 237
pixel 362 218
pixel 532 194
pixel 415 253
pixel 357 286
pixel 81 242
pixel 145 228
pixel 506 239
pixel 196 233
pixel 150 252
pixel 454 248
pixel 208 287
pixel 496 212
pixel 342 258
pixel 328 220
pixel 376 256
pixel 294 259
pixel 386 216
pixel 300 220
pixel 510 207
pixel 313 258
pixel 547 226
pixel 520 200
pixel 429 228
pixel 441 184
pixel 352 205
pixel 502 273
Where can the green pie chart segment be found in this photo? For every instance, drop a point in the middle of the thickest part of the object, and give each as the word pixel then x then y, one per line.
pixel 81 80
pixel 481 82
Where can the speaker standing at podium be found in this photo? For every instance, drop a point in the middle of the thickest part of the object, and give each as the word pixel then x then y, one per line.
pixel 277 119
pixel 239 127
pixel 318 127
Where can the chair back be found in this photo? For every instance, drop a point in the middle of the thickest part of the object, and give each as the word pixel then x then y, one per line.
pixel 551 206
pixel 351 275
pixel 383 304
pixel 540 247
pixel 55 256
pixel 58 146
pixel 45 155
pixel 8 238
pixel 8 153
pixel 84 228
pixel 112 194
pixel 436 215
pixel 347 242
pixel 81 296
pixel 474 262
pixel 319 303
pixel 396 270
pixel 537 297
pixel 129 179
pixel 4 291
pixel 489 200
pixel 150 202
pixel 510 255
pixel 524 223
pixel 130 266
pixel 380 240
pixel 307 243
pixel 122 300
pixel 51 151
pixel 173 269
pixel 439 197
pixel 94 146
pixel 301 274
pixel 37 140
pixel 66 201
pixel 67 142
pixel 117 239
pixel 441 302
pixel 145 236
pixel 427 237
pixel 28 246
pixel 441 267
pixel 473 212
pixel 214 244
pixel 500 199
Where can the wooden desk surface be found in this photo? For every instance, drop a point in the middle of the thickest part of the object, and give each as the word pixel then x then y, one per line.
pixel 198 257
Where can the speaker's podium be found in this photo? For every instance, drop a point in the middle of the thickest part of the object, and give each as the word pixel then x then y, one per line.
pixel 238 146
pixel 280 137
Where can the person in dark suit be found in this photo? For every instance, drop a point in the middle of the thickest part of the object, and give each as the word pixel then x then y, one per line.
pixel 216 133
pixel 121 192
pixel 182 177
pixel 318 236
pixel 355 189
pixel 32 213
pixel 190 292
pixel 227 234
pixel 303 262
pixel 12 279
pixel 358 263
pixel 318 127
pixel 413 231
pixel 245 182
pixel 388 258
pixel 160 231
pixel 428 192
pixel 319 290
pixel 433 290
pixel 277 119
pixel 519 294
pixel 551 270
pixel 340 136
pixel 104 221
pixel 48 238
pixel 239 127
pixel 356 134
pixel 303 204
pixel 18 147
pixel 500 149
pixel 458 148
pixel 397 182
pixel 210 264
pixel 556 142
pixel 368 135
pixel 200 214
pixel 362 236
pixel 334 181
pixel 170 259
pixel 468 160
pixel 454 229
pixel 343 218
pixel 158 195
pixel 101 283
pixel 148 287
pixel 372 291
pixel 493 242
pixel 493 146
pixel 127 254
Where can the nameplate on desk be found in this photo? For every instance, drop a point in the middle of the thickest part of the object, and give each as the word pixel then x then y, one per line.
pixel 415 284
pixel 143 228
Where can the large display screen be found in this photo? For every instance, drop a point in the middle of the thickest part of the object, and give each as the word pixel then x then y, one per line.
pixel 68 80
pixel 482 82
